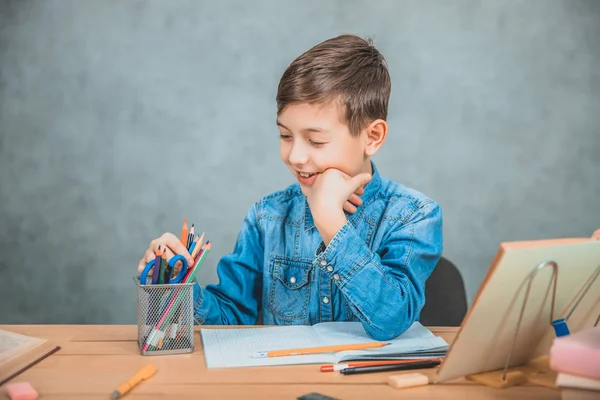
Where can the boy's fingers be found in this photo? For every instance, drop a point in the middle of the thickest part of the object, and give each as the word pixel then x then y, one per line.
pixel 360 180
pixel 174 246
pixel 148 256
pixel 349 207
pixel 355 200
pixel 360 191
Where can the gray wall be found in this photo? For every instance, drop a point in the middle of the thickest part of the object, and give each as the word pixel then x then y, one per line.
pixel 120 118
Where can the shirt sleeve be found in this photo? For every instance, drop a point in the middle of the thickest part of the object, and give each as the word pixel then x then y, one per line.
pixel 235 299
pixel 386 287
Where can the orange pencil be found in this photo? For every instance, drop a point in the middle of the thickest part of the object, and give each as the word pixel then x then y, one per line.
pixel 184 233
pixel 314 350
pixel 145 373
pixel 337 367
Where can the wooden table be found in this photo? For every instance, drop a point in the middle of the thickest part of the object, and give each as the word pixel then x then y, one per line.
pixel 95 359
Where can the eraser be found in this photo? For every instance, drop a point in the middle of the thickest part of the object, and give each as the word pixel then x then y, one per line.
pixel 407 380
pixel 21 391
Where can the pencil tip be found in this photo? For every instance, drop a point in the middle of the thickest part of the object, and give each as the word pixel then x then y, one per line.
pixel 115 395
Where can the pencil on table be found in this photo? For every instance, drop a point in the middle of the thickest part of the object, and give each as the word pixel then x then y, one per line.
pixel 320 349
pixel 338 367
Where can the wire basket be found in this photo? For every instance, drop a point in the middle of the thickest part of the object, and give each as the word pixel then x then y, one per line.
pixel 165 318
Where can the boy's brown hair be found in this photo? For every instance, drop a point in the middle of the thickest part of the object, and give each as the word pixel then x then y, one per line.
pixel 346 68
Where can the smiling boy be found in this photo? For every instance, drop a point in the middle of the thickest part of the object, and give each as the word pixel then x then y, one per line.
pixel 343 243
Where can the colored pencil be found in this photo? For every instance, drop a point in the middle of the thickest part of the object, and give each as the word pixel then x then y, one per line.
pixel 320 349
pixel 156 267
pixel 184 233
pixel 176 299
pixel 338 367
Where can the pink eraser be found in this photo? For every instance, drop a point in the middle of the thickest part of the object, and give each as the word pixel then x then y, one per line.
pixel 21 391
pixel 407 380
pixel 577 354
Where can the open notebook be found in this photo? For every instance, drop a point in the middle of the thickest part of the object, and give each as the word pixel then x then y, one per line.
pixel 234 347
pixel 20 352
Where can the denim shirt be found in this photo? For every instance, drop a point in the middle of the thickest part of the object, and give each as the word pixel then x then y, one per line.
pixel 373 270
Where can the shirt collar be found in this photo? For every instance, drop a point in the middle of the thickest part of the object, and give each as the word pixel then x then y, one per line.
pixel 371 189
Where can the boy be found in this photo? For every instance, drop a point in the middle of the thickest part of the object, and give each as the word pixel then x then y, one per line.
pixel 343 243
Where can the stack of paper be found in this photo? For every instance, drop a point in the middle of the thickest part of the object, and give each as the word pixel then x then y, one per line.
pixel 235 347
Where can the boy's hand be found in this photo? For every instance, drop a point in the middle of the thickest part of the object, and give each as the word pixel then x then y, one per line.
pixel 354 201
pixel 330 193
pixel 172 245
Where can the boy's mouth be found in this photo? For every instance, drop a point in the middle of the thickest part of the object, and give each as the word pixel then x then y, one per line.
pixel 307 178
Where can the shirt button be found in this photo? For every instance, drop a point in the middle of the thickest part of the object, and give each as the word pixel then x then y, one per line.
pixel 293 279
pixel 323 262
pixel 329 268
pixel 325 300
pixel 336 277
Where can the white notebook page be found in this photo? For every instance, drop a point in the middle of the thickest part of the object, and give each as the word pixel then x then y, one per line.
pixel 233 347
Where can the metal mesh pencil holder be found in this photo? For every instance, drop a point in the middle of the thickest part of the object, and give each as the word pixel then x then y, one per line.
pixel 165 318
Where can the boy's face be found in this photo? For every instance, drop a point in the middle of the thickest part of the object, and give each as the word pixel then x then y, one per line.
pixel 314 139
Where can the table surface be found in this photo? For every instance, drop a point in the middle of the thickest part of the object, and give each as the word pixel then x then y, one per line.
pixel 95 359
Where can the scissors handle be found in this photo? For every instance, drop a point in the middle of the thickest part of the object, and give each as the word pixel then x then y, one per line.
pixel 145 272
pixel 182 270
pixel 171 264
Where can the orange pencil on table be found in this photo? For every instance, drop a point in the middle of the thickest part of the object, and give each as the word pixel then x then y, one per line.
pixel 184 233
pixel 338 367
pixel 145 373
pixel 315 350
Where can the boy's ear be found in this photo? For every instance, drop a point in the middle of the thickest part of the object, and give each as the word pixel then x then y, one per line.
pixel 376 133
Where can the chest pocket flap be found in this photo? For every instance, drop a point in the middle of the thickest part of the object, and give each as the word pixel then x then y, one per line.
pixel 290 287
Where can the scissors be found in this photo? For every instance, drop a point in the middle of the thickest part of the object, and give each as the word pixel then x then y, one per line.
pixel 168 270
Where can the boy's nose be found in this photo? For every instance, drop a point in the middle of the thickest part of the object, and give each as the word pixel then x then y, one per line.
pixel 298 156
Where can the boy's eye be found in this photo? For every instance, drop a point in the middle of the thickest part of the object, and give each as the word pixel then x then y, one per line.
pixel 316 144
pixel 285 137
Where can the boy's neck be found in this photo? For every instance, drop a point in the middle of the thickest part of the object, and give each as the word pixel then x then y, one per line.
pixel 367 167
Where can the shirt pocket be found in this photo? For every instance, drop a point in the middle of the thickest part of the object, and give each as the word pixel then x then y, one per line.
pixel 290 288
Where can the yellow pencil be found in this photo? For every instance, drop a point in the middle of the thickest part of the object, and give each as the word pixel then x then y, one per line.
pixel 314 350
pixel 142 375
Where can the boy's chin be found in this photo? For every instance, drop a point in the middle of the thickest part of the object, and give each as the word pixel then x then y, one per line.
pixel 305 189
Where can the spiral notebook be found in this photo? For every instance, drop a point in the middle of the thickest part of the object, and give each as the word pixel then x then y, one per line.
pixel 225 348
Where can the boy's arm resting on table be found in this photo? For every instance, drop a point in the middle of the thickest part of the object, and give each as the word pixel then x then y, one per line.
pixel 235 299
pixel 387 288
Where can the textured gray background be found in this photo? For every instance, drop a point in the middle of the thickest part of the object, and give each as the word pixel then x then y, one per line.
pixel 120 118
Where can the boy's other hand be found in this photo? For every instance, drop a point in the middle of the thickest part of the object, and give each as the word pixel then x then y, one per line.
pixel 172 245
